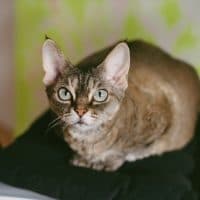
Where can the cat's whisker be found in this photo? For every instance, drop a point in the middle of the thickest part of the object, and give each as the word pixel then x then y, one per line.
pixel 55 120
pixel 56 123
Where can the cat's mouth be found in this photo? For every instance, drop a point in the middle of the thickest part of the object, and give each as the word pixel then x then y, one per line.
pixel 81 123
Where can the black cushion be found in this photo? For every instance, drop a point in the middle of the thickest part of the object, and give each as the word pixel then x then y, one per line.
pixel 38 161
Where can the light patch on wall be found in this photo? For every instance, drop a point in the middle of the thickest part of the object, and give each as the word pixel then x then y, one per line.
pixel 186 40
pixel 78 9
pixel 133 29
pixel 170 11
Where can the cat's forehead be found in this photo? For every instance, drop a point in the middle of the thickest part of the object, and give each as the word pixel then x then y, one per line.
pixel 81 81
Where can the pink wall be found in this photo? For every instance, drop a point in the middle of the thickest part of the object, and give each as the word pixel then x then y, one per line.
pixel 6 63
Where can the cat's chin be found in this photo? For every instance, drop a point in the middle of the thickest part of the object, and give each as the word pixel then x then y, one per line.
pixel 80 127
pixel 82 130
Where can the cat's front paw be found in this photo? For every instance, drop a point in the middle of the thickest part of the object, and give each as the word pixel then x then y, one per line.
pixel 106 166
pixel 111 165
pixel 80 162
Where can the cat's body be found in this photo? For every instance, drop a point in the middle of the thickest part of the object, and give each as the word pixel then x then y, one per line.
pixel 156 113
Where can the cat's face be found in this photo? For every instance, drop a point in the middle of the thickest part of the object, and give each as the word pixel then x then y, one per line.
pixel 86 101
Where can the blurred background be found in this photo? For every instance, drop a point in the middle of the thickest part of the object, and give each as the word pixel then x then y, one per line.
pixel 80 28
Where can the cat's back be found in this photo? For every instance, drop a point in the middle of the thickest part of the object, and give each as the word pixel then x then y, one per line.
pixel 152 58
pixel 151 64
pixel 156 73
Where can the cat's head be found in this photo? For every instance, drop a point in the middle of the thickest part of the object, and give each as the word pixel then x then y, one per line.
pixel 85 100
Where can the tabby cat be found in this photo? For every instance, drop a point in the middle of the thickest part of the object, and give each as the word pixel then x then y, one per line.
pixel 123 103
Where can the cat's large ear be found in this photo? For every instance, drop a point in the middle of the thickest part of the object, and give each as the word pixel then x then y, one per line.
pixel 116 66
pixel 53 61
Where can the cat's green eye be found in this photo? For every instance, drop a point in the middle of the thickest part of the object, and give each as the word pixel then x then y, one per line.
pixel 100 95
pixel 64 94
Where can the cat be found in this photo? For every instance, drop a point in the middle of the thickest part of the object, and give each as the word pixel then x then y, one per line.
pixel 126 102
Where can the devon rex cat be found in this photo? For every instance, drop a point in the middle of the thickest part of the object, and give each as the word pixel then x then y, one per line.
pixel 124 103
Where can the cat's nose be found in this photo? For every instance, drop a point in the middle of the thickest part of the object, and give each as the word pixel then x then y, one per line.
pixel 81 111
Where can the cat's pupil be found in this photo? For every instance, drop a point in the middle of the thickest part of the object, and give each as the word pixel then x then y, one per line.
pixel 100 94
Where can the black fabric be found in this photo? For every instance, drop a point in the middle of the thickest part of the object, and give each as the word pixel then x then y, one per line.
pixel 38 161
